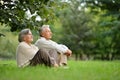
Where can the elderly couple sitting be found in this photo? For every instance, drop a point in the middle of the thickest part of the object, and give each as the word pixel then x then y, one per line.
pixel 44 52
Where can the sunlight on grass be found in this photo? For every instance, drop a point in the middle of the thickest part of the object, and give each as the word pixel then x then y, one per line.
pixel 78 70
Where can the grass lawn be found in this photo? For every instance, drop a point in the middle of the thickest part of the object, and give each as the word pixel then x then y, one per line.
pixel 78 70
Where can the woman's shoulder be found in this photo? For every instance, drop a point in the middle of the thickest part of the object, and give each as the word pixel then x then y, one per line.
pixel 23 44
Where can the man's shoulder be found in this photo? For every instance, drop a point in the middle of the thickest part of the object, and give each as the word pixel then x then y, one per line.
pixel 40 40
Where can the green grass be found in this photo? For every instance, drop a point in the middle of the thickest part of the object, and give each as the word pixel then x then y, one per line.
pixel 78 70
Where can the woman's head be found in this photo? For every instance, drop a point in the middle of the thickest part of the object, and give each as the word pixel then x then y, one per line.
pixel 25 35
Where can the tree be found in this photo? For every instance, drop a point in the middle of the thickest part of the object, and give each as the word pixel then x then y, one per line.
pixel 21 14
pixel 108 23
pixel 102 37
pixel 77 29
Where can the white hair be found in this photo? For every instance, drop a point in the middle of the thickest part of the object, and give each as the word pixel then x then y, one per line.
pixel 42 28
pixel 22 34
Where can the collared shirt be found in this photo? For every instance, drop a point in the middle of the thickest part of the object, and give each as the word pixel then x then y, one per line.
pixel 25 53
pixel 49 44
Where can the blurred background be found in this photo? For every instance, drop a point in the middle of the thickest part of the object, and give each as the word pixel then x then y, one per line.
pixel 90 28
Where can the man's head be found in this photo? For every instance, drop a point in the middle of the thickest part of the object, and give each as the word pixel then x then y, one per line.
pixel 45 32
pixel 25 35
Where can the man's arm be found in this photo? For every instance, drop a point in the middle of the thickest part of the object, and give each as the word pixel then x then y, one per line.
pixel 42 43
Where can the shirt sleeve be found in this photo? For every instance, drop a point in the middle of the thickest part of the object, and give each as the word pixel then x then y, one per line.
pixel 49 44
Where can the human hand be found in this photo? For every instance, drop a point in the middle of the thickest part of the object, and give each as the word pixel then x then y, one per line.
pixel 68 53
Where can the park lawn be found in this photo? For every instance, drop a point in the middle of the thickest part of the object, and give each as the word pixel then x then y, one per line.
pixel 78 70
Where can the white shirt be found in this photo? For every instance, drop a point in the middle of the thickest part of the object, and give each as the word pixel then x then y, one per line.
pixel 49 44
pixel 25 53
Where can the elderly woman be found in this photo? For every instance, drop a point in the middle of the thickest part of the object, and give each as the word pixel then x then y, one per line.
pixel 29 54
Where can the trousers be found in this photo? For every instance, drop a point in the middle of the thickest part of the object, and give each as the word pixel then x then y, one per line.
pixel 48 58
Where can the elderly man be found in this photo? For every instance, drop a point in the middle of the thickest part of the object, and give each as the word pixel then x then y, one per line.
pixel 46 43
pixel 29 54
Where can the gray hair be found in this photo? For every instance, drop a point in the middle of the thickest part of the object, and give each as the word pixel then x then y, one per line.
pixel 22 34
pixel 42 29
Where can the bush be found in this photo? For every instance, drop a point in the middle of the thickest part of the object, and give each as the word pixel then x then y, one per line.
pixel 8 43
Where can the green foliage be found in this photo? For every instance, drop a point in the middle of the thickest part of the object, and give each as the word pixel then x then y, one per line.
pixel 8 43
pixel 86 26
pixel 91 26
pixel 108 29
pixel 93 70
pixel 21 14
pixel 77 26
